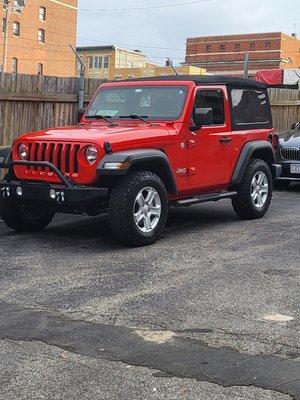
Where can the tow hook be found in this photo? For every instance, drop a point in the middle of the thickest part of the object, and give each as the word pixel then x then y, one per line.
pixel 5 192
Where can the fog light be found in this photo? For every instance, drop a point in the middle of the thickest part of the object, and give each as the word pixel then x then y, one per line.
pixel 52 194
pixel 19 191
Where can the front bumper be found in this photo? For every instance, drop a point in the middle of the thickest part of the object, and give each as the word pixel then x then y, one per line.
pixel 58 195
pixel 67 194
pixel 286 174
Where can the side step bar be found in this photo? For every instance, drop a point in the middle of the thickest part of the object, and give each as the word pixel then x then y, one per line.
pixel 203 199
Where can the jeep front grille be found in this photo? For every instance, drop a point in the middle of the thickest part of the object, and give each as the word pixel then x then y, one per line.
pixel 290 153
pixel 63 156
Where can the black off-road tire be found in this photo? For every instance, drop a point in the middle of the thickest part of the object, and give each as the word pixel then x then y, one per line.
pixel 242 203
pixel 281 184
pixel 121 208
pixel 21 218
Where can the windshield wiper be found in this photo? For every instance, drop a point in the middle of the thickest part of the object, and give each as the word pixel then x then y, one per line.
pixel 105 117
pixel 135 116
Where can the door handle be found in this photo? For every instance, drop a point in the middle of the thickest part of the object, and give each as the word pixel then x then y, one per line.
pixel 225 140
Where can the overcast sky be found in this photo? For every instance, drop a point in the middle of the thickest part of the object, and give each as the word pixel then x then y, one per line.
pixel 169 27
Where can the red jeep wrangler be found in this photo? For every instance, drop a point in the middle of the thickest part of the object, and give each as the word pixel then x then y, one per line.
pixel 142 146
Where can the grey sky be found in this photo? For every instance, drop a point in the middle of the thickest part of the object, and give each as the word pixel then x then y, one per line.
pixel 169 27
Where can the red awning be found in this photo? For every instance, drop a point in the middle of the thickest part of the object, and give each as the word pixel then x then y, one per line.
pixel 270 77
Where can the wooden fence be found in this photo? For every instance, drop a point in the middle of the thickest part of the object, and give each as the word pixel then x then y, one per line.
pixel 30 103
pixel 285 108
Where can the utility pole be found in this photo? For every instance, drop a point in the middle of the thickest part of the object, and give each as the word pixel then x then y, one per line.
pixel 81 78
pixel 170 64
pixel 246 65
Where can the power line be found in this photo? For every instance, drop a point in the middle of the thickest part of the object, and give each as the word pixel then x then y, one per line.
pixel 147 8
pixel 93 40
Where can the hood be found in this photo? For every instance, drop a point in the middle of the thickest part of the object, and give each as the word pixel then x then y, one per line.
pixel 290 138
pixel 98 134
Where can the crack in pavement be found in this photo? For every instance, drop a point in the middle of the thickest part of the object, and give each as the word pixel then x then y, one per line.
pixel 178 356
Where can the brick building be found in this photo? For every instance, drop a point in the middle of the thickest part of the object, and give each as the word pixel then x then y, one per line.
pixel 113 63
pixel 226 54
pixel 102 61
pixel 35 36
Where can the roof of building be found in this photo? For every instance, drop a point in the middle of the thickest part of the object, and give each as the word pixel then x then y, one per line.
pixel 108 47
pixel 242 36
pixel 207 79
pixel 95 48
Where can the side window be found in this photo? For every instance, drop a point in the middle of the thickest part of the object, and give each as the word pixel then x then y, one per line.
pixel 213 99
pixel 250 107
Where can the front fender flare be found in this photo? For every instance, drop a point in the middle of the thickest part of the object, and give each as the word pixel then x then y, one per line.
pixel 152 159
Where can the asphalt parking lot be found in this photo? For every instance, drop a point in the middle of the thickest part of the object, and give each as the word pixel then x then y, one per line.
pixel 209 312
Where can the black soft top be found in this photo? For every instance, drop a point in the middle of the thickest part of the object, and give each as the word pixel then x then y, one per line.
pixel 206 80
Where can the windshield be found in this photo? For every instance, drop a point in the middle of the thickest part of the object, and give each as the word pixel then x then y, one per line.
pixel 148 102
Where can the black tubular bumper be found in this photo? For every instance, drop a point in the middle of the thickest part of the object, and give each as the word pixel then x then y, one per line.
pixel 67 193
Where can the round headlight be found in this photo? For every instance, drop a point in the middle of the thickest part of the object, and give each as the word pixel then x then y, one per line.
pixel 91 154
pixel 23 151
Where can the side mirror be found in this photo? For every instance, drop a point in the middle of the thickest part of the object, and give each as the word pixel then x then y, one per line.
pixel 202 116
pixel 80 113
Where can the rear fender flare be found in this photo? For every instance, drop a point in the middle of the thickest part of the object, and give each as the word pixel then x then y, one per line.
pixel 256 149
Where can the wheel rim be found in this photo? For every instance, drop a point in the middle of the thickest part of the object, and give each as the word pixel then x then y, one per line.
pixel 147 209
pixel 259 189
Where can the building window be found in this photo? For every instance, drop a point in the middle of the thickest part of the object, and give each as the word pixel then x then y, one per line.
pixel 106 62
pixel 208 47
pixel 40 69
pixel 98 62
pixel 237 47
pixel 268 45
pixel 14 65
pixel 41 36
pixel 3 26
pixel 222 47
pixel 42 14
pixel 16 28
pixel 252 46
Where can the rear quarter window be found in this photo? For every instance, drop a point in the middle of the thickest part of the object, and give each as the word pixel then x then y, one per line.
pixel 250 109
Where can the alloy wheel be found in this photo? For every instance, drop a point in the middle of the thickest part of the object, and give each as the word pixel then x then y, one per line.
pixel 259 189
pixel 147 209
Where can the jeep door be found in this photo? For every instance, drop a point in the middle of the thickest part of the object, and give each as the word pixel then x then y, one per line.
pixel 210 146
